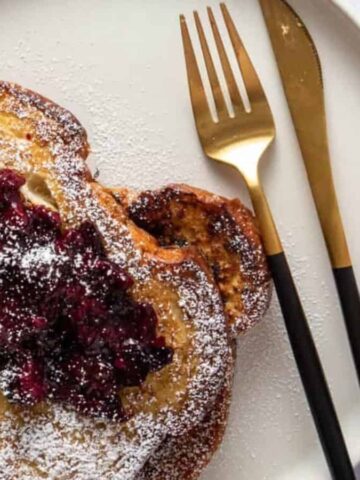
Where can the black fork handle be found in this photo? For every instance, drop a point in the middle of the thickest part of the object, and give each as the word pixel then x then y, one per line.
pixel 311 371
pixel 350 303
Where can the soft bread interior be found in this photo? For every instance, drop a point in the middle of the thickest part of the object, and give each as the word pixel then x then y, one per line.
pixel 37 192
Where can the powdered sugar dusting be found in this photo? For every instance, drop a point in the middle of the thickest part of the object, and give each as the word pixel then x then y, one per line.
pixel 62 446
pixel 58 443
pixel 184 457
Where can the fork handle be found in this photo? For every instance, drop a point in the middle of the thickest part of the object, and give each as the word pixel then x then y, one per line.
pixel 350 303
pixel 311 371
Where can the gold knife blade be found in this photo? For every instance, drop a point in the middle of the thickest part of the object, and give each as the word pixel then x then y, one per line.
pixel 301 75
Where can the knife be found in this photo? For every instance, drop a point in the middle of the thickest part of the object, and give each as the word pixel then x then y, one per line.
pixel 301 75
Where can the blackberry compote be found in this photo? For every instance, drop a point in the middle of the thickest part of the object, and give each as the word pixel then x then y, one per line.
pixel 70 331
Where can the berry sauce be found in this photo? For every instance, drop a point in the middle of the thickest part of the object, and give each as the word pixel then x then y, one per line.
pixel 70 331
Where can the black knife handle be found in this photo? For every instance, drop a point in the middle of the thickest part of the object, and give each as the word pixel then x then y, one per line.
pixel 350 304
pixel 311 372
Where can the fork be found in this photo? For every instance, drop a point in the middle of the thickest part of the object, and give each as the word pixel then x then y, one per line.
pixel 240 139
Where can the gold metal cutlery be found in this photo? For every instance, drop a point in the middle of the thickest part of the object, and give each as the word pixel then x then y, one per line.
pixel 301 74
pixel 239 140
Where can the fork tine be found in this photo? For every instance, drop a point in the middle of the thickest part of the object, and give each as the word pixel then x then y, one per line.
pixel 213 78
pixel 228 73
pixel 197 91
pixel 251 80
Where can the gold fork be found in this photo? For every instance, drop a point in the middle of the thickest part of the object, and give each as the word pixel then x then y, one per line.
pixel 240 141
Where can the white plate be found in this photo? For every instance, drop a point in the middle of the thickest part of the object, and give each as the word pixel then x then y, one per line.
pixel 351 8
pixel 119 67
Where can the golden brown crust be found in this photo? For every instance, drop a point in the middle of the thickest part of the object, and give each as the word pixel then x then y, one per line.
pixel 223 230
pixel 40 138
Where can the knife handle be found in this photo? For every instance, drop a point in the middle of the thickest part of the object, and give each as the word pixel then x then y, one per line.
pixel 310 369
pixel 350 304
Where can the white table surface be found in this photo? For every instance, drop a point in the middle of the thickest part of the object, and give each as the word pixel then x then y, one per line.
pixel 119 67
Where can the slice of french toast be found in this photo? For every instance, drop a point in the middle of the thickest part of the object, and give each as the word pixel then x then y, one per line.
pixel 223 230
pixel 182 215
pixel 47 146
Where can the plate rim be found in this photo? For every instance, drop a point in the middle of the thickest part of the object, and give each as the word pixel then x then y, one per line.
pixel 348 10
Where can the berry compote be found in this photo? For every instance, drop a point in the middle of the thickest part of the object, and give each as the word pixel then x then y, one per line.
pixel 70 331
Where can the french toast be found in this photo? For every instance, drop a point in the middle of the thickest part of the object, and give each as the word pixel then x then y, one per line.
pixel 47 147
pixel 223 230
